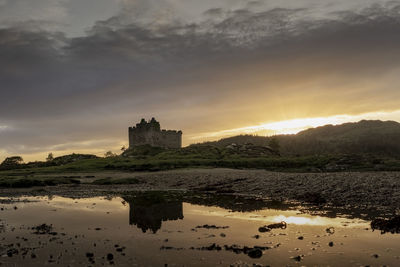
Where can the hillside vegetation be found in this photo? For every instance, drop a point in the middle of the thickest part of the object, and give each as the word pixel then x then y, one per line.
pixel 365 137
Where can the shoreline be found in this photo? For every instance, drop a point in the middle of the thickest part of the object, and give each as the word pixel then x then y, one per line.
pixel 360 190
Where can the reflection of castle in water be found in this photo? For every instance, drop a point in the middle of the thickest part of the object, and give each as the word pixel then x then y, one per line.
pixel 151 216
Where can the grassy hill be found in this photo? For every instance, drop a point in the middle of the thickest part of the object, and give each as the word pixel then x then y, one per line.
pixel 379 138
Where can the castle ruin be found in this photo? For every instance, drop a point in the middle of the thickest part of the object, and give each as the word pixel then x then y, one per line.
pixel 150 133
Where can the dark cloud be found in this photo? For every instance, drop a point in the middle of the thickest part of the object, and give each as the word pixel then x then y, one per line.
pixel 214 12
pixel 57 91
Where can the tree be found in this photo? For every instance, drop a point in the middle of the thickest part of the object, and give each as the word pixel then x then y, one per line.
pixel 109 154
pixel 12 162
pixel 50 157
pixel 274 144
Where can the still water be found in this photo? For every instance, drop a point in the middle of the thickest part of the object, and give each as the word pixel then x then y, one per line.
pixel 157 231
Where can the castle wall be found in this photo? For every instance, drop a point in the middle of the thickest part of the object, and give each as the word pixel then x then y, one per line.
pixel 172 139
pixel 150 134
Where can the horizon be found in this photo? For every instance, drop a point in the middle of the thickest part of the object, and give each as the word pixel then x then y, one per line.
pixel 255 131
pixel 74 75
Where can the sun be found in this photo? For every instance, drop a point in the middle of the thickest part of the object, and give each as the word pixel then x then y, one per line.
pixel 296 125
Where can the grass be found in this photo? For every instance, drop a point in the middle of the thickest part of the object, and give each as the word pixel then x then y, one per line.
pixel 157 163
pixel 17 182
pixel 158 159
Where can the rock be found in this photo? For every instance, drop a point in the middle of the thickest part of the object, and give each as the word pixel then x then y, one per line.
pixel 110 256
pixel 234 248
pixel 43 229
pixel 264 229
pixel 255 253
pixel 120 249
pixel 281 225
pixel 330 230
pixel 89 255
pixel 387 225
pixel 206 226
pixel 212 247
pixel 267 228
pixel 297 258
pixel 12 251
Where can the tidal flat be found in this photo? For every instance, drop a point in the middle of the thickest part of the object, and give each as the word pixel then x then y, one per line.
pixel 203 217
pixel 361 191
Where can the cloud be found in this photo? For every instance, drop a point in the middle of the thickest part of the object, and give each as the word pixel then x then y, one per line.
pixel 72 17
pixel 12 11
pixel 221 66
pixel 4 128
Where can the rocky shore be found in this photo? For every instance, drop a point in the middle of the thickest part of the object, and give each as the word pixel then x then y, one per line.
pixel 379 190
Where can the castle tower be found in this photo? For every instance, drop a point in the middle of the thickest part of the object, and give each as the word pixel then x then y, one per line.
pixel 150 133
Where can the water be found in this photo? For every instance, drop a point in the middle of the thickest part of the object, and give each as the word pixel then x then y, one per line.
pixel 154 231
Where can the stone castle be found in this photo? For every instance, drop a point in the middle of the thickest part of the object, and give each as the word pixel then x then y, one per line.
pixel 150 133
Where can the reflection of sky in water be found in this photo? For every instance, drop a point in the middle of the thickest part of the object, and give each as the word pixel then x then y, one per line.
pixel 268 215
pixel 83 204
pixel 143 229
pixel 275 216
pixel 115 204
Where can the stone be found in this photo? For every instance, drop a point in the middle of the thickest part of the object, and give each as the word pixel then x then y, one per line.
pixel 110 256
pixel 150 133
pixel 255 253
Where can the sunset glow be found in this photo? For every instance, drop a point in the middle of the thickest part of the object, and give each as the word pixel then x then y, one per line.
pixel 294 126
pixel 268 216
pixel 75 81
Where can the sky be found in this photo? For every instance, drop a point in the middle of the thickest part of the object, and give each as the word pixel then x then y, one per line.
pixel 75 74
